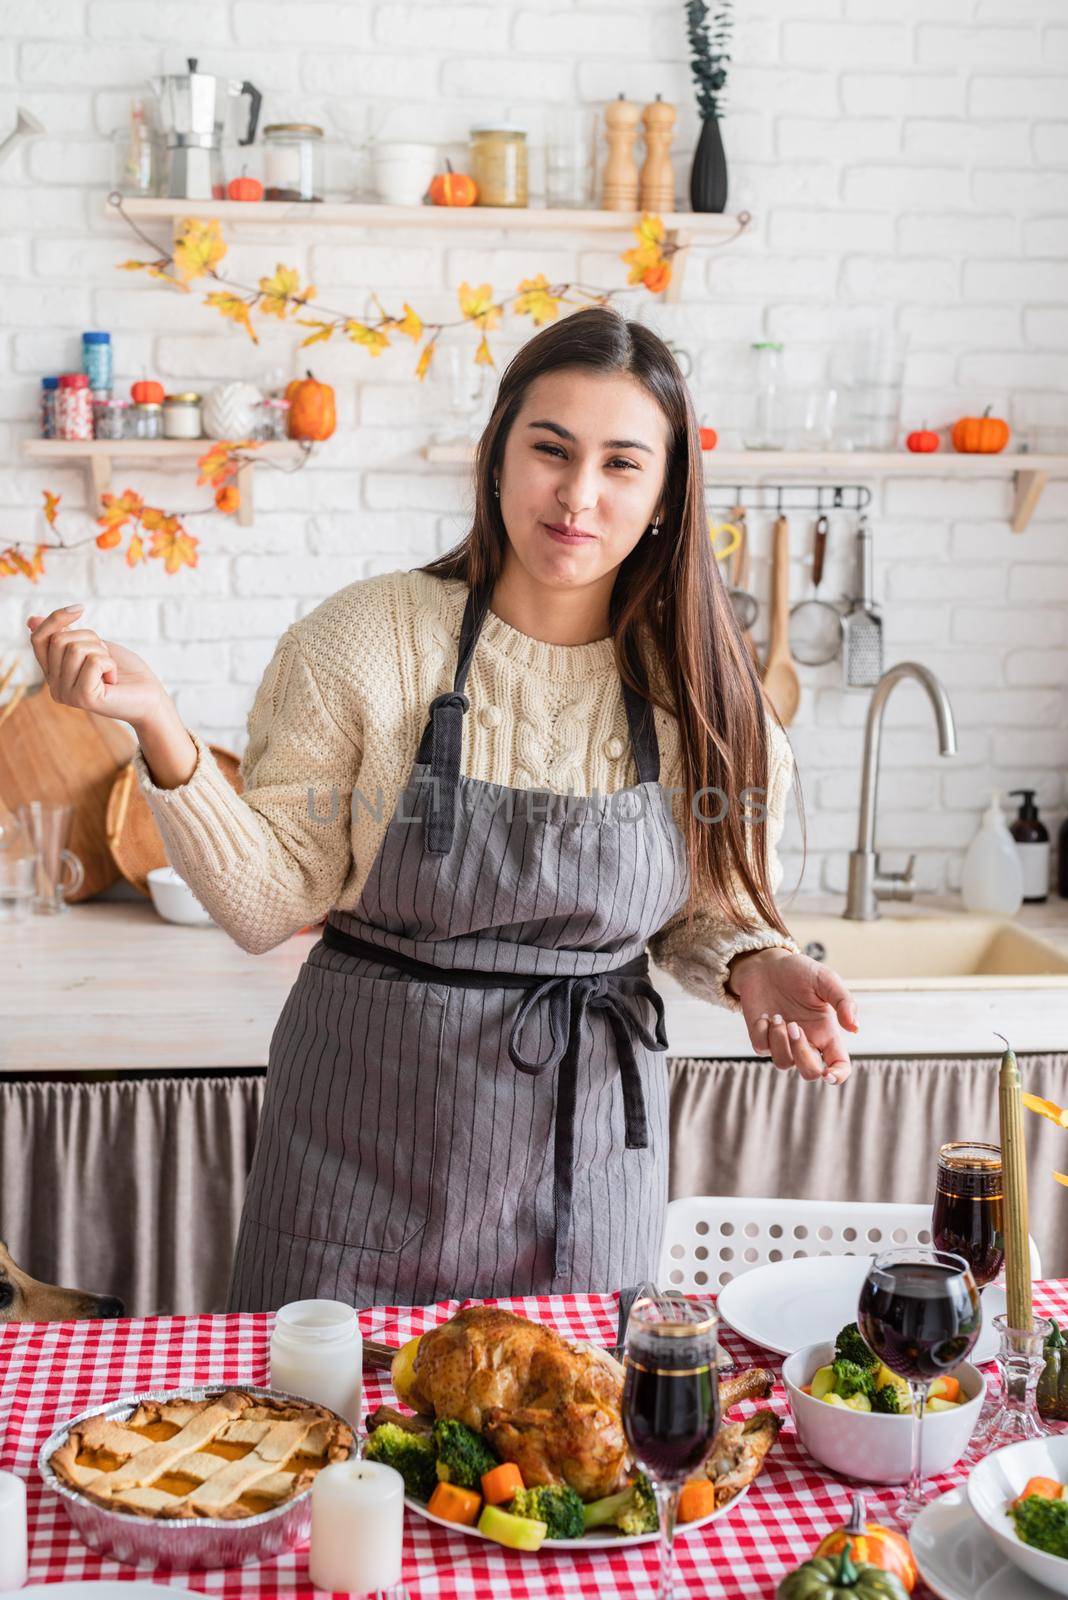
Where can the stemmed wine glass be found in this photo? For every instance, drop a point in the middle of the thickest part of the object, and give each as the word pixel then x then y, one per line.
pixel 919 1312
pixel 670 1402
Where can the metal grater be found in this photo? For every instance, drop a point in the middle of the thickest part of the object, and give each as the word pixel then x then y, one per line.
pixel 862 626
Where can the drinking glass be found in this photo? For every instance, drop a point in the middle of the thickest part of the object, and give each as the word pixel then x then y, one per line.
pixel 49 829
pixel 968 1217
pixel 919 1312
pixel 670 1402
pixel 569 158
pixel 18 875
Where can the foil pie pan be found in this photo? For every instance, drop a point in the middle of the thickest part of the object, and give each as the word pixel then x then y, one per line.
pixel 186 1542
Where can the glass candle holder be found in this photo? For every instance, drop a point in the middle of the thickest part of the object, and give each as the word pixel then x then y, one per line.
pixel 1020 1360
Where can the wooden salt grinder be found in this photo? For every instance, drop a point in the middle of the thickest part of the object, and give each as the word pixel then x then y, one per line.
pixel 657 176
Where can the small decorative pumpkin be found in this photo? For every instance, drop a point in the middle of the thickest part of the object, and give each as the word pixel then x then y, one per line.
pixel 229 410
pixel 451 188
pixel 1051 1396
pixel 709 438
pixel 923 441
pixel 147 392
pixel 837 1578
pixel 984 435
pixel 312 412
pixel 244 188
pixel 872 1544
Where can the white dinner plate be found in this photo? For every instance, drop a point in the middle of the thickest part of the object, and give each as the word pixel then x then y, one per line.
pixel 589 1541
pixel 105 1589
pixel 959 1560
pixel 789 1304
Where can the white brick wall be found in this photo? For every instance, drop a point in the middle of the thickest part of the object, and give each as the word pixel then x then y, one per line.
pixel 910 156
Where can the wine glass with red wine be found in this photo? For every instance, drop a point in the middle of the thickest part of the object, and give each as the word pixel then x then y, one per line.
pixel 670 1402
pixel 919 1312
pixel 968 1214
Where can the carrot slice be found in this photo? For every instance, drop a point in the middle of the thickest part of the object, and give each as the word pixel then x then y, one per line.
pixel 454 1504
pixel 945 1389
pixel 1044 1488
pixel 697 1499
pixel 501 1483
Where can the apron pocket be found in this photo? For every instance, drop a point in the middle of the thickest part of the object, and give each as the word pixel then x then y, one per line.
pixel 348 1134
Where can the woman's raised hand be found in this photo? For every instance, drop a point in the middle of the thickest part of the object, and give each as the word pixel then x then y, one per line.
pixel 91 674
pixel 795 1009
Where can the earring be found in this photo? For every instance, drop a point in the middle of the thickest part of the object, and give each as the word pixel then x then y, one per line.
pixel 655 529
pixel 497 488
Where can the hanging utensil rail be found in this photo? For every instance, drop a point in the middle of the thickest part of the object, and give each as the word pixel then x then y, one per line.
pixel 778 497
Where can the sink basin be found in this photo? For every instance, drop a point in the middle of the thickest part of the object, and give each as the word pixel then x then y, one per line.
pixel 933 952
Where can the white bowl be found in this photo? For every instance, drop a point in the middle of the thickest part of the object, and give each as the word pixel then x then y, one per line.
pixel 174 899
pixel 868 1445
pixel 999 1478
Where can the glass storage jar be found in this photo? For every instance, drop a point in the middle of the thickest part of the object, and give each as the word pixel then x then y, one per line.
pixel 49 386
pixel 293 161
pixel 181 416
pixel 74 407
pixel 109 418
pixel 146 421
pixel 499 165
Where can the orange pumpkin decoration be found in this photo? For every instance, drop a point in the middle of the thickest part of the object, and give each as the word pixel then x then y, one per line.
pixel 244 188
pixel 709 438
pixel 312 413
pixel 147 392
pixel 228 498
pixel 451 188
pixel 923 441
pixel 984 435
pixel 874 1545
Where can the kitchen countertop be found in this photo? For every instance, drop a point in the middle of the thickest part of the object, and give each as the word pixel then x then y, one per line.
pixel 110 987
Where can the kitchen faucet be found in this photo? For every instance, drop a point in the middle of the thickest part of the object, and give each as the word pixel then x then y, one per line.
pixel 867 885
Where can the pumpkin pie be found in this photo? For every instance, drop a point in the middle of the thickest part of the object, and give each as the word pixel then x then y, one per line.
pixel 231 1455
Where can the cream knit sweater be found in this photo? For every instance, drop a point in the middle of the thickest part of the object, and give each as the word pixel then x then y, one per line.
pixel 343 705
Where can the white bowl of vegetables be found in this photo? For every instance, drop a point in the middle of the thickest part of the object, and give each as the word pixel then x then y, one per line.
pixel 1019 1495
pixel 843 1402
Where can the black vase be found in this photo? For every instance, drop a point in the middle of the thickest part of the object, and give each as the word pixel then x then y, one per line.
pixel 708 175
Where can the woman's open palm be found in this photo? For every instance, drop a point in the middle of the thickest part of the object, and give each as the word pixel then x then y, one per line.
pixel 796 1009
pixel 92 674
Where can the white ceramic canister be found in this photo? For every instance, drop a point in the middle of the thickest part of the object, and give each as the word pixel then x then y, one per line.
pixel 401 172
pixel 317 1353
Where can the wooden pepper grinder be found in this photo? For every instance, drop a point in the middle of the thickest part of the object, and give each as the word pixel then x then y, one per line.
pixel 658 177
pixel 620 186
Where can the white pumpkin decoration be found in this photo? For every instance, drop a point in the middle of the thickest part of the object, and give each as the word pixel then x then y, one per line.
pixel 229 410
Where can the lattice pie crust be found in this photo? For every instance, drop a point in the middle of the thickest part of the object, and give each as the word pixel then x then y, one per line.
pixel 233 1455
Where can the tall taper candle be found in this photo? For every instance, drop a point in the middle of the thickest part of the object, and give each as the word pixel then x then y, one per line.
pixel 1014 1164
pixel 13 1555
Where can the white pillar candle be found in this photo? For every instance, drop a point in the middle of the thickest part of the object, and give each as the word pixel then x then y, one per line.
pixel 14 1559
pixel 357 1527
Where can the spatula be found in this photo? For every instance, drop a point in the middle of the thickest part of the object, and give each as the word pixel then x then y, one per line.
pixel 781 683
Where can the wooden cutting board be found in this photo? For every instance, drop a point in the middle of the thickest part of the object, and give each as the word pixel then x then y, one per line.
pixel 133 838
pixel 62 756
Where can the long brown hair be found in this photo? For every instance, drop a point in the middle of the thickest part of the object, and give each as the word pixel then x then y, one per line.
pixel 669 590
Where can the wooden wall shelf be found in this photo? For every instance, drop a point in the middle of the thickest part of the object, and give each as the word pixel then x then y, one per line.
pixel 96 456
pixel 682 228
pixel 1030 473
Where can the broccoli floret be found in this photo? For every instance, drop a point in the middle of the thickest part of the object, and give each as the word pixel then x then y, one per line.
pixel 632 1510
pixel 888 1399
pixel 1043 1523
pixel 462 1456
pixel 412 1454
pixel 557 1505
pixel 850 1379
pixel 850 1346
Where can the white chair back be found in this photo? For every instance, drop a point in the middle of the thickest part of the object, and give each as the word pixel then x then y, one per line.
pixel 710 1239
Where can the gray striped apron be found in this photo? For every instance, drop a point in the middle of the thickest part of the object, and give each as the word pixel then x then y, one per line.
pixel 466 1093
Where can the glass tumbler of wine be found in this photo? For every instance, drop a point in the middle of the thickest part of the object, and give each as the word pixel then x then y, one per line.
pixel 670 1402
pixel 919 1312
pixel 968 1220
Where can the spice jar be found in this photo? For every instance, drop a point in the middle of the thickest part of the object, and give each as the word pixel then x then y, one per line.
pixel 109 418
pixel 146 421
pixel 48 407
pixel 293 161
pixel 317 1352
pixel 272 419
pixel 96 360
pixel 74 407
pixel 181 416
pixel 499 165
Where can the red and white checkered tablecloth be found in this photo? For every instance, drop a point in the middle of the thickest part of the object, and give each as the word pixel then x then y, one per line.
pixel 50 1371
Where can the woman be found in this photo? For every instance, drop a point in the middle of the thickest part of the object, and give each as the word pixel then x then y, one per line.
pixel 500 776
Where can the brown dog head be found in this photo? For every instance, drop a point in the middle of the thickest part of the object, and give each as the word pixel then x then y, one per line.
pixel 23 1299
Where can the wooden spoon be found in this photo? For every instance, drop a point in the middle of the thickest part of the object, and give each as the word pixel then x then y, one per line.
pixel 781 683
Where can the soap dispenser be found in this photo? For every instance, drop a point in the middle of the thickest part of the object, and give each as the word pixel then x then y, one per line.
pixel 1032 847
pixel 992 878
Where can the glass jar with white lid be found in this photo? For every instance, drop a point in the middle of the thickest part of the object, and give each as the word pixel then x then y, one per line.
pixel 317 1353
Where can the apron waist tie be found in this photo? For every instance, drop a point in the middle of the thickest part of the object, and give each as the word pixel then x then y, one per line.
pixel 568 997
